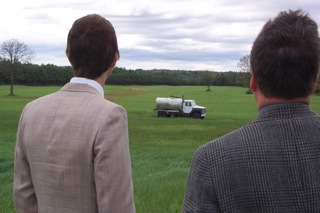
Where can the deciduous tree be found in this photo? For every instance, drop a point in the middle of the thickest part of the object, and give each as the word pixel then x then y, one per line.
pixel 244 65
pixel 207 79
pixel 15 52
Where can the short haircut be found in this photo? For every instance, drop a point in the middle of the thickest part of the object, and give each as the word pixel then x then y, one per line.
pixel 285 56
pixel 91 46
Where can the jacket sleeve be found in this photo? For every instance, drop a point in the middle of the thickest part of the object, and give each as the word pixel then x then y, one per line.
pixel 25 199
pixel 112 164
pixel 200 195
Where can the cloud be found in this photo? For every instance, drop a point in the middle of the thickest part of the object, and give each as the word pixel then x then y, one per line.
pixel 181 38
pixel 180 34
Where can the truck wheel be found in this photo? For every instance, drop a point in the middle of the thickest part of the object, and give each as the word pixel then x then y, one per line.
pixel 196 115
pixel 173 114
pixel 162 114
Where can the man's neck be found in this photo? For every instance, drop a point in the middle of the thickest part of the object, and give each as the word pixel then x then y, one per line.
pixel 263 101
pixel 103 78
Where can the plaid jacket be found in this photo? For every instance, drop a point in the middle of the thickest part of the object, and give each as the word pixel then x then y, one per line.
pixel 269 165
pixel 72 154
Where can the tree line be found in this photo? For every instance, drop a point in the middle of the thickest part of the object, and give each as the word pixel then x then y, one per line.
pixel 49 74
pixel 16 68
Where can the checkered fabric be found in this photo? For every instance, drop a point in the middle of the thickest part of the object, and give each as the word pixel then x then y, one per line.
pixel 269 165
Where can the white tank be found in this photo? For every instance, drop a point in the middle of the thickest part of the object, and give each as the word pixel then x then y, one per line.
pixel 169 103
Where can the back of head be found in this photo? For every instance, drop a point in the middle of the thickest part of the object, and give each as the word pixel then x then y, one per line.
pixel 91 46
pixel 285 56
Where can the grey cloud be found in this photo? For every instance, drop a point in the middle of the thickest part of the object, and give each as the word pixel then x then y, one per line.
pixel 41 17
pixel 176 55
pixel 58 5
pixel 224 34
pixel 167 36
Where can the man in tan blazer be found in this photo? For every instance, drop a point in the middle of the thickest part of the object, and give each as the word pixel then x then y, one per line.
pixel 72 151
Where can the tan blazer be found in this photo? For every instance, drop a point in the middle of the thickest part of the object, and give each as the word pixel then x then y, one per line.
pixel 72 154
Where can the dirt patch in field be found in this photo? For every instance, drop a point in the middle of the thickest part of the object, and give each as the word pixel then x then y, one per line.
pixel 139 89
pixel 126 92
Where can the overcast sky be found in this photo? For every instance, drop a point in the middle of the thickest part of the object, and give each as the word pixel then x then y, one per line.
pixel 152 34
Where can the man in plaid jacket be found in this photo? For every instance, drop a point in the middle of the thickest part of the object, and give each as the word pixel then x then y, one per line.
pixel 273 163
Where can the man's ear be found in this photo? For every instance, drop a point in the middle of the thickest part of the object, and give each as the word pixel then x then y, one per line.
pixel 253 83
pixel 113 64
pixel 115 59
pixel 314 86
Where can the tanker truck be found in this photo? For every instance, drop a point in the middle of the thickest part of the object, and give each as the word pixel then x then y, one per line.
pixel 178 107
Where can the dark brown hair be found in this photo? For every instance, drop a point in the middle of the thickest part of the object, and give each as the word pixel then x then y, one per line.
pixel 91 46
pixel 285 56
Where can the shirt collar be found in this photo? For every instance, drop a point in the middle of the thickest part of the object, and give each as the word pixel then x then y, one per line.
pixel 90 82
pixel 272 106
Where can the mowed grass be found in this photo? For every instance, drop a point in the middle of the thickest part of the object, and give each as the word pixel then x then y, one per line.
pixel 161 148
pixel 10 109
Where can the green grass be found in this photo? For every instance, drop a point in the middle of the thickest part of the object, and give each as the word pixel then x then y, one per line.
pixel 161 148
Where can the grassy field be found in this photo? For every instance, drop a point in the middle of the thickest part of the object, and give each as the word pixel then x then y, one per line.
pixel 161 148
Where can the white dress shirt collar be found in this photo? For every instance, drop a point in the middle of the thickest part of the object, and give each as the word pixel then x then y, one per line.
pixel 90 82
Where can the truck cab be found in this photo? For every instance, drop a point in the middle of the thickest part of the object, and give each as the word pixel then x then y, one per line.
pixel 191 109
